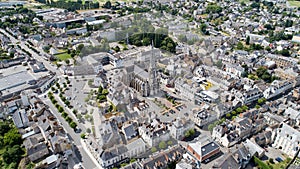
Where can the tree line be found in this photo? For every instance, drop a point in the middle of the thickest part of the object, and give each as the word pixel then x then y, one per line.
pixel 72 5
pixel 161 41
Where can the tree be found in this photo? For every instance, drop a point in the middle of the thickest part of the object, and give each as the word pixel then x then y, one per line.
pixel 73 125
pixel 12 137
pixel 153 149
pixel 239 110
pixel 88 130
pixel 240 46
pixel 162 145
pixel 213 9
pixel 105 92
pixel 228 115
pixel 60 109
pixel 245 108
pixel 82 136
pixel 13 154
pixel 64 114
pixel 107 5
pixel 182 38
pixel 261 101
pixel 247 40
pixel 4 128
pixel 285 52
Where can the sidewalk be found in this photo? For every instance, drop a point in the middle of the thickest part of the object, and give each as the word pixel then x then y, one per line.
pixel 89 154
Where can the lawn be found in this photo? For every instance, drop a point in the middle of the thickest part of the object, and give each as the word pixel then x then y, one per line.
pixel 294 3
pixel 63 56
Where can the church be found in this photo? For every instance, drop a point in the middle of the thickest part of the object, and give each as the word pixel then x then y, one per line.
pixel 142 75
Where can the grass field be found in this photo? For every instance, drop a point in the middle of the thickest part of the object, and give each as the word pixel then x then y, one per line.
pixel 63 56
pixel 294 3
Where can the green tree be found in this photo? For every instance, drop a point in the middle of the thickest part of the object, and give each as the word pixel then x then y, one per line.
pixel 239 110
pixel 82 136
pixel 240 46
pixel 244 107
pixel 247 40
pixel 13 154
pixel 107 5
pixel 162 145
pixel 64 114
pixel 4 128
pixel 12 137
pixel 105 92
pixel 153 149
pixel 228 115
pixel 285 52
pixel 73 125
pixel 88 130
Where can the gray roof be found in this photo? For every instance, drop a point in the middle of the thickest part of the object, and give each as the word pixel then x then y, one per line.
pixel 130 132
pixel 10 81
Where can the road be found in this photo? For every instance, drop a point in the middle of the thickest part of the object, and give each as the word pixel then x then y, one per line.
pixel 36 56
pixel 82 156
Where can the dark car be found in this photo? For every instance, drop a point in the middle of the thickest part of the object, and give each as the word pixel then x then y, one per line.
pixel 77 130
pixel 279 159
pixel 172 111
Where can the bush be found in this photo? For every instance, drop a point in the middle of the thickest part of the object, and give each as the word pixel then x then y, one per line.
pixel 60 109
pixel 73 125
pixel 82 136
pixel 170 142
pixel 153 149
pixel 64 114
pixel 162 145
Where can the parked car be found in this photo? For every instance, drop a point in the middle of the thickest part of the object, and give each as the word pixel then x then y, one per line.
pixel 279 159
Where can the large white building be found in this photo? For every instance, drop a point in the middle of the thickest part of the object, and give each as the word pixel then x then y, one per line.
pixel 287 139
pixel 180 127
pixel 277 88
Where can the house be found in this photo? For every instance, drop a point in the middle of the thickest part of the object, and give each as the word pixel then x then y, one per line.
pixel 20 119
pixel 202 152
pixel 37 151
pixel 154 133
pixel 293 115
pixel 249 96
pixel 203 117
pixel 113 156
pixel 129 131
pixel 237 158
pixel 163 158
pixel 254 149
pixel 277 88
pixel 179 127
pixel 229 134
pixel 109 135
pixel 287 139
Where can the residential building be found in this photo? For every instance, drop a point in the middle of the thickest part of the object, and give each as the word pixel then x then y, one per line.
pixel 202 152
pixel 287 139
pixel 277 88
pixel 179 127
pixel 154 133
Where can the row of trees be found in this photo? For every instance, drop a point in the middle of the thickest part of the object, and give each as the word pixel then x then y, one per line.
pixel 61 110
pixel 232 115
pixel 10 144
pixel 72 5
